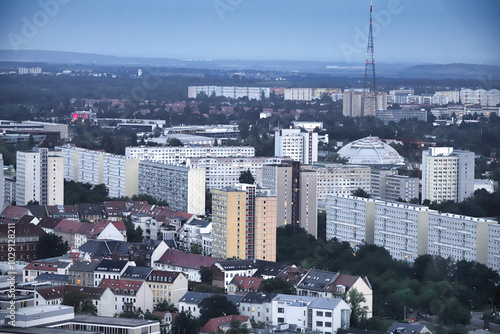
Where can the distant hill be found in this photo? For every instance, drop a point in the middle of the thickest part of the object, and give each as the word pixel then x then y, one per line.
pixel 430 71
pixel 451 71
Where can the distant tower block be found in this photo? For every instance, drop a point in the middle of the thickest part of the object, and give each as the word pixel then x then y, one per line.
pixel 139 72
pixel 370 89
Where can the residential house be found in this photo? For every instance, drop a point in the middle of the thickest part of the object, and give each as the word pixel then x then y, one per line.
pixel 223 272
pixel 320 283
pixel 12 214
pixel 313 313
pixel 257 306
pixel 36 268
pixel 191 300
pixel 27 238
pixel 167 318
pixel 188 264
pixel 110 230
pixel 402 328
pixel 82 273
pixel 167 285
pixel 53 279
pixel 130 295
pixel 102 298
pixel 192 234
pixel 243 284
pixel 109 269
pixel 74 232
pixel 136 273
pixel 48 224
pixel 93 212
pixel 62 211
pixel 115 209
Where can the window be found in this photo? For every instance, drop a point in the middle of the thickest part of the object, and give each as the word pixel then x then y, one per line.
pixel 319 323
pixel 328 324
pixel 319 313
pixel 328 314
pixel 281 310
pixel 281 320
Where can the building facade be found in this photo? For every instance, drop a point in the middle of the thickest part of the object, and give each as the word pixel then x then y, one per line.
pixel 182 187
pixel 300 146
pixel 447 174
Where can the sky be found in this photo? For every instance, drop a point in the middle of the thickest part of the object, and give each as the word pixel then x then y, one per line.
pixel 405 31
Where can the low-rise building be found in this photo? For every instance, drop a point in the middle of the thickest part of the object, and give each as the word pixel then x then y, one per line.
pixel 130 295
pixel 167 286
pixel 257 306
pixel 82 273
pixel 109 269
pixel 188 264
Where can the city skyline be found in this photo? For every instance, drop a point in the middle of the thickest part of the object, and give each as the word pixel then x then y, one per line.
pixel 405 31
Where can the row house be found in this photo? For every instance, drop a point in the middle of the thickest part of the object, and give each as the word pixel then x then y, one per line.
pixel 109 269
pixel 36 268
pixel 188 264
pixel 167 286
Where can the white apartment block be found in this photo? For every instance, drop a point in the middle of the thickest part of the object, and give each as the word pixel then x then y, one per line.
pixel 341 179
pixel 459 237
pixel 447 174
pixel 401 187
pixel 350 219
pixel 494 246
pixel 480 97
pixel 120 175
pixel 179 155
pixel 40 177
pixel 300 146
pixel 408 231
pixel 451 95
pixel 231 92
pixel 117 172
pixel 308 94
pixel 182 187
pixel 401 229
pixel 225 172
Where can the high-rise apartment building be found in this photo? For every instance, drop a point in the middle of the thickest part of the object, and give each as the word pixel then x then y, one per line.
pixel 295 191
pixel 447 174
pixel 117 172
pixel 40 177
pixel 408 231
pixel 300 146
pixel 183 188
pixel 243 223
pixel 356 103
pixel 179 154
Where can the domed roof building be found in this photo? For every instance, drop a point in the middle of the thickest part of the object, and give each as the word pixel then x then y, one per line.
pixel 371 151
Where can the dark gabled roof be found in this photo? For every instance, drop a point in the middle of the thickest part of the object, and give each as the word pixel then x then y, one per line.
pixel 52 278
pixel 317 280
pixel 25 219
pixel 111 265
pixel 86 209
pixel 136 273
pixel 37 210
pixel 263 267
pixel 163 276
pixel 23 230
pixel 104 248
pixel 84 266
pixel 257 298
pixel 13 213
pixel 193 297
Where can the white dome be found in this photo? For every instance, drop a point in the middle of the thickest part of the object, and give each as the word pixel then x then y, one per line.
pixel 370 151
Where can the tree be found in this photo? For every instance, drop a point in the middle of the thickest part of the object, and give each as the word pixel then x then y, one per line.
pixel 185 323
pixel 358 312
pixel 195 249
pixel 360 192
pixel 277 285
pixel 238 327
pixel 246 177
pixel 206 274
pixel 215 306
pixel 174 142
pixel 164 305
pixel 80 301
pixel 51 245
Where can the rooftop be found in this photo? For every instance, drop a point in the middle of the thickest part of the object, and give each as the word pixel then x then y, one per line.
pixel 370 151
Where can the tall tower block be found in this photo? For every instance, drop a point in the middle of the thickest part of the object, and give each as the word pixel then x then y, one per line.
pixel 370 88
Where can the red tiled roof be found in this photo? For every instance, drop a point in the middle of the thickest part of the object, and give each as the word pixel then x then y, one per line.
pixel 120 225
pixel 46 266
pixel 246 284
pixel 119 286
pixel 180 258
pixel 115 208
pixel 14 212
pixel 49 222
pixel 54 209
pixel 57 292
pixel 212 326
pixel 75 227
pixel 292 274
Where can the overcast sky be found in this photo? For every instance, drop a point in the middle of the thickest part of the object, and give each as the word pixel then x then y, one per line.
pixel 405 31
